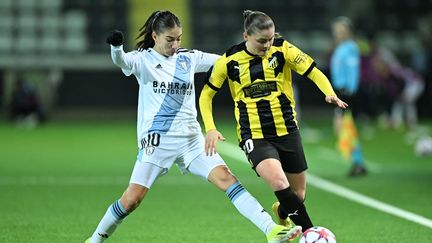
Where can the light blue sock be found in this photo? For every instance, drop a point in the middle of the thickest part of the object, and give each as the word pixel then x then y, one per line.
pixel 109 222
pixel 249 207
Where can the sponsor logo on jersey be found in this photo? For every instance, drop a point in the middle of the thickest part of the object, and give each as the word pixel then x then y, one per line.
pixel 300 58
pixel 172 88
pixel 261 89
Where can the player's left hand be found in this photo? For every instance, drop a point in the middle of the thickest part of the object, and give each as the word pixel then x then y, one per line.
pixel 211 139
pixel 115 38
pixel 333 99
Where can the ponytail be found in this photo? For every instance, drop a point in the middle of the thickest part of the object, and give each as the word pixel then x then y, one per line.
pixel 158 22
pixel 246 13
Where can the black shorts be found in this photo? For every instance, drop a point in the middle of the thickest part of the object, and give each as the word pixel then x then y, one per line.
pixel 287 149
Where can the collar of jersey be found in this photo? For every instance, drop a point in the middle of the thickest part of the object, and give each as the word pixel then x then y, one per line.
pixel 159 56
pixel 243 47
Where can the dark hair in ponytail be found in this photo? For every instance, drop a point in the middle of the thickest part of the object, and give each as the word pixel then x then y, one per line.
pixel 158 22
pixel 256 21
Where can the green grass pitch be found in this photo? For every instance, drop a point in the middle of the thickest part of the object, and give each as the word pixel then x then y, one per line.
pixel 57 180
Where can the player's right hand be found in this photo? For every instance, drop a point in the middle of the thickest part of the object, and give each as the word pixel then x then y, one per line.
pixel 333 99
pixel 211 140
pixel 115 38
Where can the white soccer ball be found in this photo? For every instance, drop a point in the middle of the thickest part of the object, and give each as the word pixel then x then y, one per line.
pixel 318 234
pixel 423 146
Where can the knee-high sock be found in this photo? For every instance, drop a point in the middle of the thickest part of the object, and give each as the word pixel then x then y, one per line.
pixel 291 206
pixel 249 207
pixel 109 222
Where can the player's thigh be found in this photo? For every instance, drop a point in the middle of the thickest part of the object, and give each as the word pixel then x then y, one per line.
pixel 270 170
pixel 194 160
pixel 204 164
pixel 143 176
pixel 264 158
pixel 146 173
pixel 258 150
pixel 291 153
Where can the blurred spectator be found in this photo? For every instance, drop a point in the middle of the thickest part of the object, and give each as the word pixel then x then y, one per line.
pixel 369 87
pixel 404 108
pixel 377 89
pixel 421 62
pixel 420 58
pixel 25 105
pixel 404 84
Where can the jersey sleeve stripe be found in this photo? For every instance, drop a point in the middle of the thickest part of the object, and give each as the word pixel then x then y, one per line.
pixel 207 79
pixel 309 69
pixel 212 86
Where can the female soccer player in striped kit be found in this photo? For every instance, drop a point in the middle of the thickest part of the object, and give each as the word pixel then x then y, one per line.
pixel 258 71
pixel 168 131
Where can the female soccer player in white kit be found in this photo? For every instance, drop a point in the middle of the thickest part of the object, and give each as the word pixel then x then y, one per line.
pixel 168 131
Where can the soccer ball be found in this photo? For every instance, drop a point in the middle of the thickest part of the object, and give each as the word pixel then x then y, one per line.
pixel 318 234
pixel 423 146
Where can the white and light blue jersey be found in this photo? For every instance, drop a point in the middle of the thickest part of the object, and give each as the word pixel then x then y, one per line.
pixel 166 102
pixel 345 67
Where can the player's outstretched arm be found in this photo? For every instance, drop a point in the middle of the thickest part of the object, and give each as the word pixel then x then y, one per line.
pixel 123 60
pixel 324 85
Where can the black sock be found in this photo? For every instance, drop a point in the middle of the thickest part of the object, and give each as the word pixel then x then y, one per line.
pixel 291 205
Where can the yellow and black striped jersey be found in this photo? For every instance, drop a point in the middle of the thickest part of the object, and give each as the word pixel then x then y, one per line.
pixel 261 87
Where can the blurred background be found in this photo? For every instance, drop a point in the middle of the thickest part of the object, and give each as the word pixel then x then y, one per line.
pixel 56 48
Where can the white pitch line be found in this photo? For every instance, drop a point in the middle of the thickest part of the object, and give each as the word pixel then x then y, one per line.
pixel 234 152
pixel 367 201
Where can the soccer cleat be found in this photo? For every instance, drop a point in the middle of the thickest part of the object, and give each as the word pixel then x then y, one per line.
pixel 285 222
pixel 281 234
pixel 357 171
pixel 294 232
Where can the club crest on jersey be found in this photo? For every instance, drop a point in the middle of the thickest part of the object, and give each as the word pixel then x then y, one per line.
pixel 273 63
pixel 184 63
pixel 149 150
